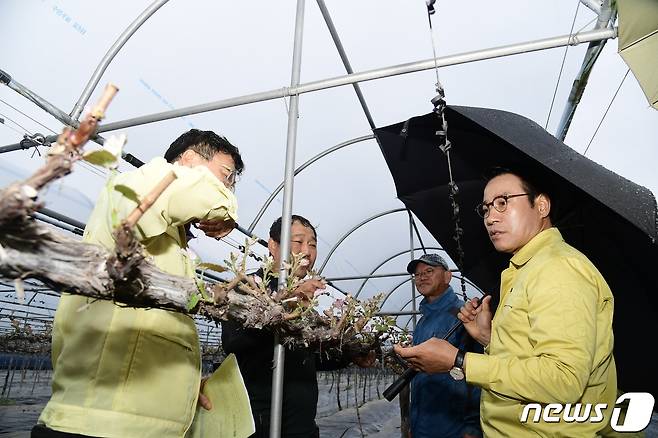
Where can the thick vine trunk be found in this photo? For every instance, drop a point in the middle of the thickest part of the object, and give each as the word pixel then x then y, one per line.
pixel 32 250
pixel 29 249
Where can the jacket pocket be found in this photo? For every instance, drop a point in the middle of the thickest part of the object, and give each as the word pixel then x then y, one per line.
pixel 164 377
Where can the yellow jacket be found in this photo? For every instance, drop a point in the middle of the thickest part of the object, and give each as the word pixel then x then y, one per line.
pixel 551 342
pixel 122 372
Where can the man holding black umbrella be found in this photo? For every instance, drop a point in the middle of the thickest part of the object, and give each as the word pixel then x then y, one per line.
pixel 551 340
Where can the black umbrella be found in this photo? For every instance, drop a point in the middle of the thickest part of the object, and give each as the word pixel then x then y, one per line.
pixel 609 218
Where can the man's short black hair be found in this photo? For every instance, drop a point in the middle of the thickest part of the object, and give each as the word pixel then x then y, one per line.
pixel 206 144
pixel 275 229
pixel 531 185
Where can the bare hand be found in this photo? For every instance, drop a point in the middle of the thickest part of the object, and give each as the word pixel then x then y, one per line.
pixel 367 360
pixel 307 288
pixel 432 356
pixel 477 319
pixel 204 401
pixel 216 228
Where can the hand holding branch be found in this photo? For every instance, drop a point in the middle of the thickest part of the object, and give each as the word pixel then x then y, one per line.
pixel 432 356
pixel 216 228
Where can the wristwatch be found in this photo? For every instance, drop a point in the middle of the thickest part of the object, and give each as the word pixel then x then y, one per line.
pixel 457 370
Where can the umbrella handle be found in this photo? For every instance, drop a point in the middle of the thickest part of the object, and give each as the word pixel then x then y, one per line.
pixel 400 383
pixel 405 378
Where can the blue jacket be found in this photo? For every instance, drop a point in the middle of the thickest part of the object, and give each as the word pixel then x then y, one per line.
pixel 441 406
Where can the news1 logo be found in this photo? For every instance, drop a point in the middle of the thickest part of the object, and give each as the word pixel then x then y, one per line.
pixel 638 413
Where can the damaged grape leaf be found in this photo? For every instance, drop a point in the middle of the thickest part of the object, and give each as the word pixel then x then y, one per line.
pixel 127 192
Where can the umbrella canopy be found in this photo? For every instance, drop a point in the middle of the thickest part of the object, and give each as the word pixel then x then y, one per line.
pixel 638 43
pixel 610 219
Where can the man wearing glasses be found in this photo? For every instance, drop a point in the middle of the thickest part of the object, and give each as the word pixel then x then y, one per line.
pixel 551 339
pixel 440 404
pixel 124 372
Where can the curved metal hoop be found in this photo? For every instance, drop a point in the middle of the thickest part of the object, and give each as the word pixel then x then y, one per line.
pixel 388 260
pixel 276 191
pixel 346 235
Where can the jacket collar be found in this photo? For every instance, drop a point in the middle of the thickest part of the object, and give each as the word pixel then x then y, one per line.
pixel 443 302
pixel 528 251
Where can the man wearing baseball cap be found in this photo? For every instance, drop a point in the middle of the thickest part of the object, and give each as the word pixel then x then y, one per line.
pixel 430 260
pixel 440 404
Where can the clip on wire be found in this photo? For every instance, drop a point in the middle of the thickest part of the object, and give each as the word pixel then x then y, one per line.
pixel 33 140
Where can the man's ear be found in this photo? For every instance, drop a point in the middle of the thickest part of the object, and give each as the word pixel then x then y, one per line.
pixel 188 158
pixel 544 205
pixel 447 276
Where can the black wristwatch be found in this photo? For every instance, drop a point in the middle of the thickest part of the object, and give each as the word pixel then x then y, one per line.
pixel 457 370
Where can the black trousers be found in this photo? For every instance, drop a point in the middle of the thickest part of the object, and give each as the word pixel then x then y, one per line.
pixel 262 431
pixel 41 431
pixel 262 423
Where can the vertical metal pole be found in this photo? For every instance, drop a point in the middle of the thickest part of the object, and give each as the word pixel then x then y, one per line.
pixel 413 284
pixel 286 222
pixel 594 49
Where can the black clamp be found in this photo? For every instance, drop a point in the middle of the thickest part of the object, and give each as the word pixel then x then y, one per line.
pixel 35 140
pixel 430 6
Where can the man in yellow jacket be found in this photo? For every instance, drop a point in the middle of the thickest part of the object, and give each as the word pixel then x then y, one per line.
pixel 123 372
pixel 551 339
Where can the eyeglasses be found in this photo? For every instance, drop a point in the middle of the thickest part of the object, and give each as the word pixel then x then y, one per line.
pixel 425 273
pixel 499 203
pixel 232 178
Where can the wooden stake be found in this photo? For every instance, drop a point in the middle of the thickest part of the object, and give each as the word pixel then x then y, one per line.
pixel 148 201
